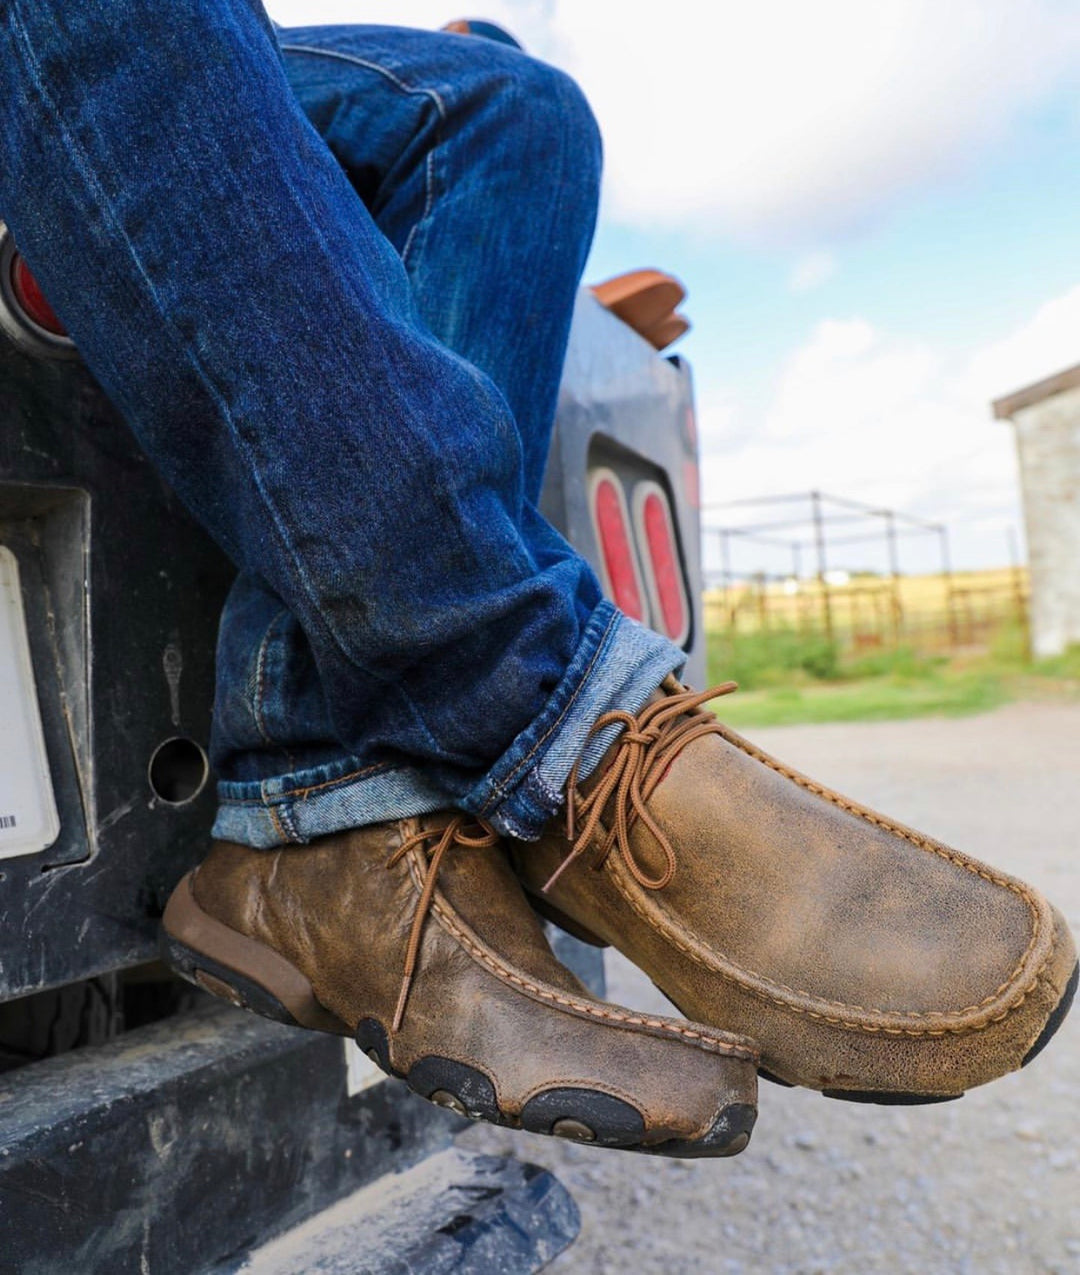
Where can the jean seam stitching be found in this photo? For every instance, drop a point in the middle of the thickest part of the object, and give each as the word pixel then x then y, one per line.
pixel 377 67
pixel 260 677
pixel 429 201
pixel 413 91
pixel 283 813
pixel 292 794
pixel 503 786
pixel 273 816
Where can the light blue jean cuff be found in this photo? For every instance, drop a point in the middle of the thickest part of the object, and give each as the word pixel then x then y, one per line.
pixel 618 664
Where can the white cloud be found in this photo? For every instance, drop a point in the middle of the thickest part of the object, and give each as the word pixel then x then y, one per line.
pixel 780 121
pixel 812 271
pixel 1048 343
pixel 859 413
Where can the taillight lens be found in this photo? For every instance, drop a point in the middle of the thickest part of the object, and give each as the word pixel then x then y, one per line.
pixel 664 578
pixel 611 521
pixel 27 292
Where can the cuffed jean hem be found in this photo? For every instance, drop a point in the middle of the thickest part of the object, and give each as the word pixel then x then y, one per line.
pixel 618 664
pixel 296 808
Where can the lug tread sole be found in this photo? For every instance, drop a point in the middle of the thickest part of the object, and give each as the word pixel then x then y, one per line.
pixel 269 985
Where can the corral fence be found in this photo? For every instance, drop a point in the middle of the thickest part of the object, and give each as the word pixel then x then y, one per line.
pixel 783 568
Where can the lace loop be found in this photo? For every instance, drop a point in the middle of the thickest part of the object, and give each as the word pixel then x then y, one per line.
pixel 461 831
pixel 641 755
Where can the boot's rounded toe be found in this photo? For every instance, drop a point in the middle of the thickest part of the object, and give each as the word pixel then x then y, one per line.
pixel 867 959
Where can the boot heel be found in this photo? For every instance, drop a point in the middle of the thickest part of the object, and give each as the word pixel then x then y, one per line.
pixel 237 968
pixel 217 979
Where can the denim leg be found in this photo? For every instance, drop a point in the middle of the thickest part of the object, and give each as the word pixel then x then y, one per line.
pixel 449 171
pixel 446 162
pixel 237 302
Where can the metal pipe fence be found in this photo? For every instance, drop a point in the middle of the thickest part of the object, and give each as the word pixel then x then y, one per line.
pixel 942 611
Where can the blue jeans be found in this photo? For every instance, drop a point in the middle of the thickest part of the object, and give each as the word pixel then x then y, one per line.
pixel 329 284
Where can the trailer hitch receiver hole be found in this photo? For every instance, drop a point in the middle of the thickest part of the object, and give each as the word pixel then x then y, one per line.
pixel 178 771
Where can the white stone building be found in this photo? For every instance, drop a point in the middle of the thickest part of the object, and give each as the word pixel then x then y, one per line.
pixel 1047 421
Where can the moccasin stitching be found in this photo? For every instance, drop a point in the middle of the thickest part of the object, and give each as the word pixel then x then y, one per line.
pixel 922 843
pixel 735 970
pixel 572 1004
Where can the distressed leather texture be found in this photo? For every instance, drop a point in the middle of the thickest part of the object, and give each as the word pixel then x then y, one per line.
pixel 860 954
pixel 487 990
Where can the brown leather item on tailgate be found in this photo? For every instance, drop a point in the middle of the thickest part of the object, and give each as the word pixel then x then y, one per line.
pixel 646 301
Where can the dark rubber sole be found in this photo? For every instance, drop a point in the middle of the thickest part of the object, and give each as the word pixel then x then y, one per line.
pixel 576 1113
pixel 888 1098
pixel 1055 1020
pixel 580 1114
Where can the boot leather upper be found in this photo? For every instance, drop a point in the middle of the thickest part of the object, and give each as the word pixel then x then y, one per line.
pixel 859 953
pixel 487 992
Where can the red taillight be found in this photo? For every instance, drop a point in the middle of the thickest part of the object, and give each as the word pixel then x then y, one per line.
pixel 622 577
pixel 28 294
pixel 663 568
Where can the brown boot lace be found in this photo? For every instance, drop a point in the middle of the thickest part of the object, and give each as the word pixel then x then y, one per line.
pixel 462 830
pixel 648 745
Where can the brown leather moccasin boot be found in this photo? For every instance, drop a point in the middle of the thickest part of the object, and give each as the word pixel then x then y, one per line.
pixel 866 960
pixel 416 938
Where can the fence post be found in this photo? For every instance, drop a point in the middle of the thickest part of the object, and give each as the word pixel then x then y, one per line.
pixel 946 575
pixel 894 572
pixel 725 568
pixel 819 540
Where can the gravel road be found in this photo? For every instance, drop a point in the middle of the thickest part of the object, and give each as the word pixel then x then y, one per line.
pixel 989 1185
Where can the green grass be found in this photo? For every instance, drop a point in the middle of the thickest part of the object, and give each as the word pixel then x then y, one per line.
pixel 786 678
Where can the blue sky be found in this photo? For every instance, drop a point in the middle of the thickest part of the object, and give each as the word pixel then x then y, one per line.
pixel 875 209
pixel 958 262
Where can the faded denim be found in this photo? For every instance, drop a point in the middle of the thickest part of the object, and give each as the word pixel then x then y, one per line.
pixel 329 285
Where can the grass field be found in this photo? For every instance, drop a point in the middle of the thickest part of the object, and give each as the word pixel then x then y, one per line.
pixel 869 611
pixel 787 677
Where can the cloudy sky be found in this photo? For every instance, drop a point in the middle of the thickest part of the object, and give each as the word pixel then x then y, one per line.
pixel 875 210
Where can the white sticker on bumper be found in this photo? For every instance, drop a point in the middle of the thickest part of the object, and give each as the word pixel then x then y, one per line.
pixel 28 819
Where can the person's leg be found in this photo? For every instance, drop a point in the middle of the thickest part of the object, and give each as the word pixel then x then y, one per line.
pixel 485 178
pixel 224 281
pixel 442 138
pixel 228 288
